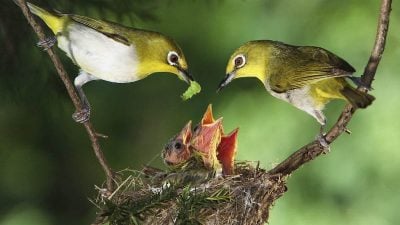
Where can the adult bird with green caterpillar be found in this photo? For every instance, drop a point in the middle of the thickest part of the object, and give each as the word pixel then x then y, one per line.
pixel 307 77
pixel 112 52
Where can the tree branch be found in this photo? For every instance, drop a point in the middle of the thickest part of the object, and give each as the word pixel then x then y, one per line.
pixel 72 94
pixel 314 149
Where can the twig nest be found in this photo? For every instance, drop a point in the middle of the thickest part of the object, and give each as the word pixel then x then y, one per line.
pixel 202 185
pixel 152 196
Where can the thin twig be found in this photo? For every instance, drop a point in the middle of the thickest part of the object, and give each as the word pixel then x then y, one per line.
pixel 72 94
pixel 314 149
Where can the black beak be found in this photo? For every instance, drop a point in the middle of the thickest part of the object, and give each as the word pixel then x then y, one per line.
pixel 228 78
pixel 186 75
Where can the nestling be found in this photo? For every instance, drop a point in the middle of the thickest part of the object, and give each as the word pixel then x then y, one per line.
pixel 111 52
pixel 207 147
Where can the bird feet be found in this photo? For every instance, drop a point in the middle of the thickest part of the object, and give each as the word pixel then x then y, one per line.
pixel 81 116
pixel 47 43
pixel 357 81
pixel 323 143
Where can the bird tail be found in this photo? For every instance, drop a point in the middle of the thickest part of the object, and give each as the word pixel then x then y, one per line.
pixel 54 21
pixel 357 98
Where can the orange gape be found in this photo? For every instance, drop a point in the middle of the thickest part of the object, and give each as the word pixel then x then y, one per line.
pixel 207 140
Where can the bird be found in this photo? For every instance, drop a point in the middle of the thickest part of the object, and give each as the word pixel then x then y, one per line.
pixel 178 149
pixel 308 77
pixel 111 52
pixel 206 146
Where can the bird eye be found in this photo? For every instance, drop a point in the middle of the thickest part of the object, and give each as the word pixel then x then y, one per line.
pixel 178 145
pixel 172 58
pixel 239 61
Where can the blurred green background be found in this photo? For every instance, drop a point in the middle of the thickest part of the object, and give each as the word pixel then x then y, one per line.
pixel 48 169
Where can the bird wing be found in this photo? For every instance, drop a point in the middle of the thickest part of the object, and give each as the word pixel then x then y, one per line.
pixel 110 29
pixel 325 56
pixel 306 65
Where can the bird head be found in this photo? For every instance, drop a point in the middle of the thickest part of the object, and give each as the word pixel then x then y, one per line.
pixel 177 150
pixel 249 60
pixel 159 53
pixel 206 138
pixel 207 144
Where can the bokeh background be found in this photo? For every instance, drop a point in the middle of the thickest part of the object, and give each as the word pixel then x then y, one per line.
pixel 47 167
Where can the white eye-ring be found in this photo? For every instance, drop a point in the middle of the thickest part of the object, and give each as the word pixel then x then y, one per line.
pixel 239 61
pixel 173 58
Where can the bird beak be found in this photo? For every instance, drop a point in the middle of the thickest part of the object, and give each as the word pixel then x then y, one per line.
pixel 185 75
pixel 228 78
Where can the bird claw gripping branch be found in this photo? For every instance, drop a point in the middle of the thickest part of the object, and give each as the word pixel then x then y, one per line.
pixel 47 43
pixel 216 150
pixel 81 116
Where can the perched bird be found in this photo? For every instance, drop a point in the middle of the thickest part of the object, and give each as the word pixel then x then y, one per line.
pixel 307 77
pixel 111 52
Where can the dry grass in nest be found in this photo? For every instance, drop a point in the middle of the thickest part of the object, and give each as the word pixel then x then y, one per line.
pixel 192 196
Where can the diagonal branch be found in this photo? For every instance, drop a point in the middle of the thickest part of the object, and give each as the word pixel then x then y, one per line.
pixel 93 136
pixel 314 149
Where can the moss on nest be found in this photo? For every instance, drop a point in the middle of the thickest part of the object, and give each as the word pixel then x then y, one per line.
pixel 191 196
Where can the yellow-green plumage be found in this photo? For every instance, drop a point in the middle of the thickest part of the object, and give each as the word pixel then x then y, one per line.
pixel 307 77
pixel 55 22
pixel 112 52
pixel 149 47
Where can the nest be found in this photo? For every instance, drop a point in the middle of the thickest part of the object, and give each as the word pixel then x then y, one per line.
pixel 192 196
pixel 202 186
